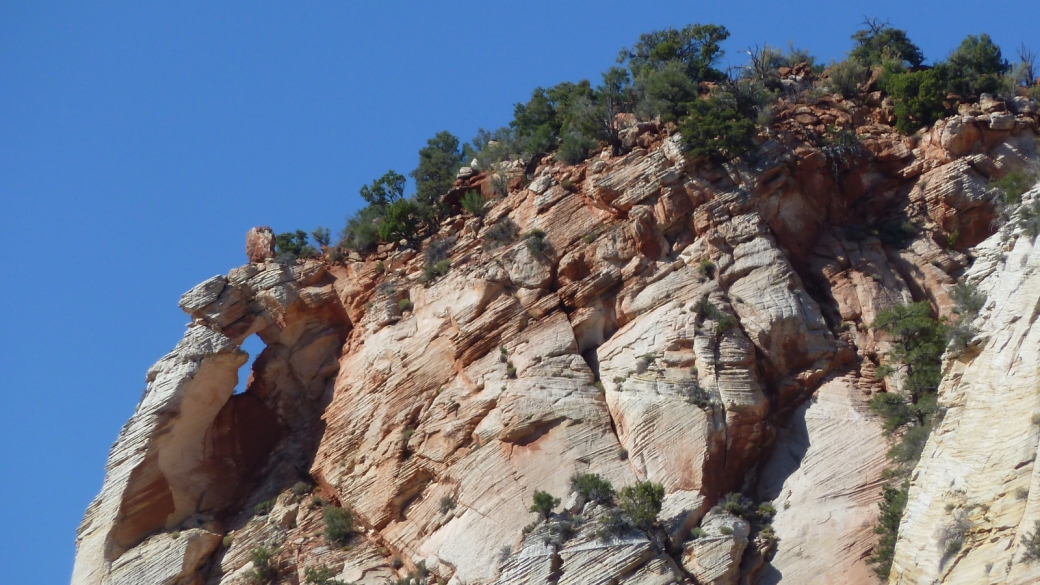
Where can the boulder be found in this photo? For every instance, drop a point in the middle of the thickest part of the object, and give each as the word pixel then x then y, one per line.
pixel 714 558
pixel 259 244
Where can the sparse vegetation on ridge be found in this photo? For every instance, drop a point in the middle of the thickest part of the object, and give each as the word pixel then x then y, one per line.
pixel 672 76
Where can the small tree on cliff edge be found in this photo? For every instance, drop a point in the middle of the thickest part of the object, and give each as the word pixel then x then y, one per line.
pixel 384 190
pixel 439 161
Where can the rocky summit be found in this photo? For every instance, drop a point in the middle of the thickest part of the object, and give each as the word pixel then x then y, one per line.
pixel 649 366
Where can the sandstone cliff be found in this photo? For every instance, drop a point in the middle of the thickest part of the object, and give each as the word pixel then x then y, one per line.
pixel 705 327
pixel 973 500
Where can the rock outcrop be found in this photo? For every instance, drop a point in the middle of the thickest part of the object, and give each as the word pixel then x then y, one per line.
pixel 975 496
pixel 707 328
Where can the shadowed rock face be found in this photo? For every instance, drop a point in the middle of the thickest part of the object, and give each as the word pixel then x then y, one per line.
pixel 705 328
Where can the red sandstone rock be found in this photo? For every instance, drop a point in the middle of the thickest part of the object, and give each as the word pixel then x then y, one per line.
pixel 259 244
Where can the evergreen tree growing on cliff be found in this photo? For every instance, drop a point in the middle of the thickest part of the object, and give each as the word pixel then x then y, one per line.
pixel 877 43
pixel 384 190
pixel 697 47
pixel 597 116
pixel 539 124
pixel 439 161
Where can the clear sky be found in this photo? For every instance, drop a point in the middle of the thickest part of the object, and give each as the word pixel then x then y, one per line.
pixel 140 140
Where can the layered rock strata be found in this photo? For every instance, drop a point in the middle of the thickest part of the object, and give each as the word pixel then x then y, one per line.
pixel 975 496
pixel 705 327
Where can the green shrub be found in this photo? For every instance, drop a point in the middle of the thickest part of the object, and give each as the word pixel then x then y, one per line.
pixel 438 249
pixel 706 268
pixel 339 524
pixel 746 97
pixel 544 503
pixel 1012 185
pixel 697 47
pixel 976 67
pixel 845 77
pixel 665 91
pixel 1031 544
pixel 362 230
pixel 764 63
pixel 539 124
pixel 301 488
pixel 564 530
pixel 401 220
pixel 842 148
pixel 473 202
pixel 705 309
pixel 697 395
pixel 293 245
pixel 738 505
pixel 536 243
pixel 613 522
pixel 490 148
pixel 439 162
pixel 447 504
pixel 227 541
pixel 504 232
pixel 405 305
pixel 510 370
pixel 262 572
pixel 594 487
pixel 697 532
pixel 716 130
pixel 969 301
pixel 1029 218
pixel 263 508
pixel 433 271
pixel 436 261
pixel 575 146
pixel 877 43
pixel 918 96
pixel 725 530
pixel 322 575
pixel 336 254
pixel 642 503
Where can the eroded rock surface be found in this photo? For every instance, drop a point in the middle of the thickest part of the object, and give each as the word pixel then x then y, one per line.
pixel 977 483
pixel 706 328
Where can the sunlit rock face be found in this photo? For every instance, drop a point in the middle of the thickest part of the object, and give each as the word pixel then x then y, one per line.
pixel 707 328
pixel 977 481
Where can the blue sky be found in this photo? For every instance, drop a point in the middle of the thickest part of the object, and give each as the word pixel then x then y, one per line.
pixel 139 141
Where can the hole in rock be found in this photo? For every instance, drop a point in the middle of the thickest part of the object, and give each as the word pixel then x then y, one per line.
pixel 253 345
